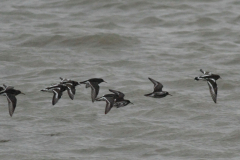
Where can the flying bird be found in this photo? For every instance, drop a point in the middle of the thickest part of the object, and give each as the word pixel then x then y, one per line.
pixel 70 84
pixel 11 94
pixel 157 90
pixel 109 99
pixel 120 101
pixel 94 84
pixel 211 80
pixel 57 91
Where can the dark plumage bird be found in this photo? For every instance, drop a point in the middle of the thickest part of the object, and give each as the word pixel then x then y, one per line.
pixel 11 94
pixel 70 86
pixel 94 84
pixel 57 91
pixel 109 99
pixel 211 80
pixel 157 90
pixel 207 75
pixel 120 101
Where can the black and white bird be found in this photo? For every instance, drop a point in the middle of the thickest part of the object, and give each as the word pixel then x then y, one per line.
pixel 11 94
pixel 57 91
pixel 120 101
pixel 211 80
pixel 70 84
pixel 157 90
pixel 207 75
pixel 94 84
pixel 109 99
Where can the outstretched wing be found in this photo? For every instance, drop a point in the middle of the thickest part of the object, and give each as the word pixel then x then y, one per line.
pixel 205 72
pixel 157 85
pixel 7 87
pixel 109 103
pixel 57 94
pixel 118 93
pixel 71 90
pixel 213 89
pixel 94 90
pixel 12 102
pixel 64 80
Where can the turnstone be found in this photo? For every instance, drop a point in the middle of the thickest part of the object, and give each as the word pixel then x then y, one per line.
pixel 110 99
pixel 207 75
pixel 157 90
pixel 11 94
pixel 120 101
pixel 70 86
pixel 93 83
pixel 211 80
pixel 57 91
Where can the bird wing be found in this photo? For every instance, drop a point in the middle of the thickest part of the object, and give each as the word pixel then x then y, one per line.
pixel 71 90
pixel 157 85
pixel 64 80
pixel 7 87
pixel 94 90
pixel 109 103
pixel 57 94
pixel 118 93
pixel 12 102
pixel 213 89
pixel 205 72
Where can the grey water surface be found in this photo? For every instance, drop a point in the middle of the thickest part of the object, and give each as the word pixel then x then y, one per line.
pixel 124 42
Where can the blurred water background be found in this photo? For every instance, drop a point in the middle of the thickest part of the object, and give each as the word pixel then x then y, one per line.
pixel 123 42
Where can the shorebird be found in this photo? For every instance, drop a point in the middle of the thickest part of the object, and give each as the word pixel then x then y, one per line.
pixel 211 80
pixel 109 99
pixel 70 86
pixel 11 94
pixel 207 75
pixel 120 101
pixel 57 91
pixel 157 90
pixel 94 84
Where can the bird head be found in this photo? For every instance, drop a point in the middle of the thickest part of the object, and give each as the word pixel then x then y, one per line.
pixel 19 92
pixel 101 80
pixel 168 94
pixel 129 102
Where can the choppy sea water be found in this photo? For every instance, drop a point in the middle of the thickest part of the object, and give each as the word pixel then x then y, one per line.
pixel 123 42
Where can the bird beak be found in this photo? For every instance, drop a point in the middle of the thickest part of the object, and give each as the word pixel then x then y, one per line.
pixel 23 93
pixel 169 94
pixel 105 81
pixel 131 103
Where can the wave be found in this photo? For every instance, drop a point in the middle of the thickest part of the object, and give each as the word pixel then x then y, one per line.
pixel 106 39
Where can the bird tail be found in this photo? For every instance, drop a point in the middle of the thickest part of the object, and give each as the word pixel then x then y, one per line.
pixel 84 82
pixel 148 95
pixel 99 99
pixel 45 90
